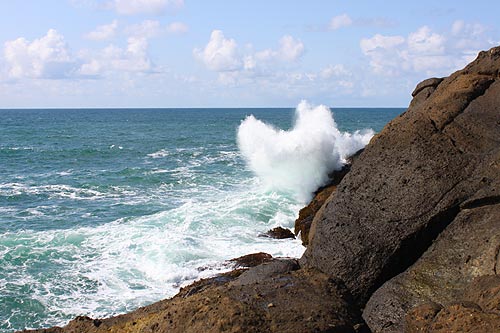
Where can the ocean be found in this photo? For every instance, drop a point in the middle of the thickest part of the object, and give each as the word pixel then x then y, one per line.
pixel 106 210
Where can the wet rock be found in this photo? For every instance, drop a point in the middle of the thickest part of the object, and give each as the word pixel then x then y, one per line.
pixel 251 260
pixel 279 233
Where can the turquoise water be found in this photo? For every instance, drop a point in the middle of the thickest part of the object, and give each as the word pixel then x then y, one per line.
pixel 103 211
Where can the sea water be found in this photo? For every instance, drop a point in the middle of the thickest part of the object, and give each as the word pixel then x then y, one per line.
pixel 106 210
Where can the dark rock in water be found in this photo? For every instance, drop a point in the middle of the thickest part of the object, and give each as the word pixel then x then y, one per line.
pixel 411 180
pixel 279 233
pixel 251 260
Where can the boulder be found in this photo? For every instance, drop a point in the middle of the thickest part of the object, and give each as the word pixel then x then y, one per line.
pixel 279 233
pixel 439 158
pixel 251 260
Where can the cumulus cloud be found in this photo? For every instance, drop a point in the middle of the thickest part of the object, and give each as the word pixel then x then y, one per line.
pixel 340 21
pixel 133 58
pixel 223 55
pixel 103 32
pixel 424 51
pixel 48 57
pixel 290 48
pixel 220 54
pixel 154 7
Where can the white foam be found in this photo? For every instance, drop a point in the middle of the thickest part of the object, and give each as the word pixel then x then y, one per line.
pixel 119 266
pixel 159 154
pixel 300 159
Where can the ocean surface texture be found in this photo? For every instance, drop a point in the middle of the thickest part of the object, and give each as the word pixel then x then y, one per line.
pixel 103 211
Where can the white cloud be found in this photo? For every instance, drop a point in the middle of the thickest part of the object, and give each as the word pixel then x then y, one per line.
pixel 155 7
pixel 290 48
pixel 380 42
pixel 424 41
pixel 340 21
pixel 424 52
pixel 334 71
pixel 236 65
pixel 47 57
pixel 220 54
pixel 133 58
pixel 103 32
pixel 177 28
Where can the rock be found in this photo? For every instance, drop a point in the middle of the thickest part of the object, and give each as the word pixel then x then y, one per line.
pixel 468 248
pixel 251 260
pixel 485 291
pixel 302 301
pixel 479 312
pixel 265 271
pixel 441 157
pixel 279 233
pixel 306 214
pixel 456 317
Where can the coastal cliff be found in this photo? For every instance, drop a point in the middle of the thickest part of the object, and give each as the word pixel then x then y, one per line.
pixel 407 241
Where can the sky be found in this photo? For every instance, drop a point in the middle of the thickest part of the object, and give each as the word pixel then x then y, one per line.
pixel 259 53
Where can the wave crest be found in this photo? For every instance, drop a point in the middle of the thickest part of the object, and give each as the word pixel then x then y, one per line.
pixel 300 159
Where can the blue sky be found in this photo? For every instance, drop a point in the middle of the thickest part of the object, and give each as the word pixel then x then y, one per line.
pixel 185 53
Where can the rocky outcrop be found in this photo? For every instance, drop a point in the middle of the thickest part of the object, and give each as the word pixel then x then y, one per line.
pixel 288 301
pixel 438 158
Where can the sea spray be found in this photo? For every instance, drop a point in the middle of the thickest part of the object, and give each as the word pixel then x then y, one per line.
pixel 300 159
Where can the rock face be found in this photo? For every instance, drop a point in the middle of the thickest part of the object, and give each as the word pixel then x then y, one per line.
pixel 467 249
pixel 438 159
pixel 306 214
pixel 480 312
